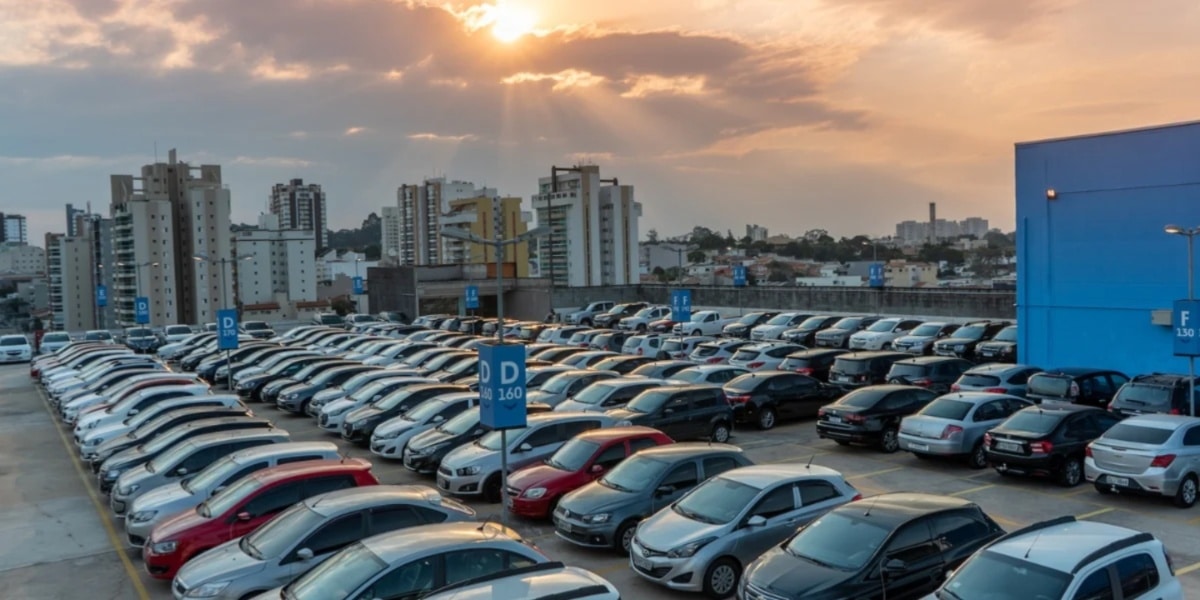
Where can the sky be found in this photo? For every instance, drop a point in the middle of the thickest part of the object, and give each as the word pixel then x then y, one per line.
pixel 845 115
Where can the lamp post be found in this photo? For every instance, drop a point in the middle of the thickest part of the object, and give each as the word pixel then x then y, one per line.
pixel 137 274
pixel 224 298
pixel 1190 234
pixel 498 243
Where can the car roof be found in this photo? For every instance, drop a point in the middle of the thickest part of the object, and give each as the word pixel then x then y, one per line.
pixel 394 545
pixel 928 360
pixel 615 433
pixel 998 368
pixel 543 581
pixel 1060 546
pixel 626 381
pixel 975 397
pixel 1162 421
pixel 896 508
pixel 1075 371
pixel 260 452
pixel 554 416
pixel 690 449
pixel 10 336
pixel 266 433
pixel 708 368
pixel 869 354
pixel 333 503
pixel 761 476
pixel 811 352
pixel 1062 407
pixel 310 468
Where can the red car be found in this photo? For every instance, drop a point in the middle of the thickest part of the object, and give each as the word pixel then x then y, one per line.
pixel 535 490
pixel 244 506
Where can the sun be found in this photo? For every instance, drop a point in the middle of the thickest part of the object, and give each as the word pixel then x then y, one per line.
pixel 510 22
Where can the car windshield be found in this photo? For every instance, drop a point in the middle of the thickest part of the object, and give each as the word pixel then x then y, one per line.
pixel 1008 334
pixel 812 323
pixel 648 401
pixel 1131 432
pixel 337 577
pixel 907 370
pixel 978 380
pixel 573 455
pixel 673 345
pixel 97 335
pixel 847 323
pixel 689 376
pixel 1000 577
pixel 780 319
pixel 56 337
pixel 839 541
pixel 212 475
pixel 1143 395
pixel 462 366
pixel 559 383
pixel 491 441
pixel 424 411
pixel 593 394
pixel 461 423
pixel 578 338
pixel 645 313
pixel 278 535
pixel 1033 420
pixel 945 408
pixel 255 325
pixel 331 320
pixel 170 457
pixel 603 339
pixel 744 355
pixel 884 325
pixel 370 390
pixel 174 329
pixel 716 501
pixel 140 332
pixel 927 330
pixel 971 332
pixel 749 319
pixel 635 474
pixel 610 363
pixel 166 439
pixel 226 499
pixel 360 380
pixel 396 398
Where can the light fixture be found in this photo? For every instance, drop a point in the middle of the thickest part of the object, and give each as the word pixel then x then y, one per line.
pixel 1173 229
pixel 1051 194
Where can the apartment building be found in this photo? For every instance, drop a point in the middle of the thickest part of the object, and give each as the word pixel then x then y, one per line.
pixel 22 260
pixel 276 265
pixel 14 230
pixel 757 233
pixel 72 215
pixel 488 218
pixel 301 206
pixel 414 225
pixel 72 287
pixel 593 228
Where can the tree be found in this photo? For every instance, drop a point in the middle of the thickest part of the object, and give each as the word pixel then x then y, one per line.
pixel 652 236
pixel 995 239
pixel 697 256
pixel 342 305
pixel 985 262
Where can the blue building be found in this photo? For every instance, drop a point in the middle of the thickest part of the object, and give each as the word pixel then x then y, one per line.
pixel 1096 273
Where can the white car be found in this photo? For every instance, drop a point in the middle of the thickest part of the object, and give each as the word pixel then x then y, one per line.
pixel 643 318
pixel 716 352
pixel 99 335
pixel 774 328
pixel 15 348
pixel 177 333
pixel 881 334
pixel 54 341
pixel 643 345
pixel 763 357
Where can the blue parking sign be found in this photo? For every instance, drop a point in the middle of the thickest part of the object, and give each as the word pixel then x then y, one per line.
pixel 101 295
pixel 358 286
pixel 739 275
pixel 472 292
pixel 227 329
pixel 1185 323
pixel 141 310
pixel 875 275
pixel 502 385
pixel 681 305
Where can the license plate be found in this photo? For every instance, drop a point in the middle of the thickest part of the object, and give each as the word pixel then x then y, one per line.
pixel 1117 481
pixel 566 527
pixel 920 447
pixel 642 563
pixel 1008 446
pixel 986 353
pixel 835 419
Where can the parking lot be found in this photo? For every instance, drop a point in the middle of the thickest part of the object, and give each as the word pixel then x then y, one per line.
pixel 61 542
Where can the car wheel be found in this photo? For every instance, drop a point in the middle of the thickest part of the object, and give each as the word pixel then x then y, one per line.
pixel 641 328
pixel 624 536
pixel 889 441
pixel 720 432
pixel 586 322
pixel 491 489
pixel 977 459
pixel 1071 472
pixel 1185 496
pixel 721 578
pixel 766 418
pixel 697 332
pixel 886 346
pixel 251 595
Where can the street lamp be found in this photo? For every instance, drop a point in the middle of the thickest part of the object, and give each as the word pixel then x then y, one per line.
pixel 1190 234
pixel 499 244
pixel 137 273
pixel 224 297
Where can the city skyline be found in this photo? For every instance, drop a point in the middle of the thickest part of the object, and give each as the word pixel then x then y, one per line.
pixel 817 112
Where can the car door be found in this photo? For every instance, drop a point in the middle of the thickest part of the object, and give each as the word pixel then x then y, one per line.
pixel 986 416
pixel 958 534
pixel 543 439
pixel 911 563
pixel 269 502
pixel 778 506
pixel 673 417
pixel 324 541
pixel 607 458
pixel 405 581
pixel 677 481
pixel 784 392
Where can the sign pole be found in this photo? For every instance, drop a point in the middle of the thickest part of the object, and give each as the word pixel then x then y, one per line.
pixel 500 342
pixel 1192 356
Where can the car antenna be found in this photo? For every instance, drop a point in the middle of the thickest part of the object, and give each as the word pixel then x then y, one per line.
pixel 871 506
pixel 1031 544
pixel 810 459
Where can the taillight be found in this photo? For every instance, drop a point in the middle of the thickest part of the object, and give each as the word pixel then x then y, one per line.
pixel 987 439
pixel 951 430
pixel 804 371
pixel 1175 411
pixel 738 399
pixel 1088 451
pixel 1041 447
pixel 996 390
pixel 955 387
pixel 714 360
pixel 856 498
pixel 922 382
pixel 820 412
pixel 1163 461
pixel 756 364
pixel 853 418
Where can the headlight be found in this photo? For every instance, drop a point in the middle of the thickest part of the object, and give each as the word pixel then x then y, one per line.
pixel 391 435
pixel 534 493
pixel 290 396
pixel 208 590
pixel 598 518
pixel 112 474
pixel 127 490
pixel 164 547
pixel 96 441
pixel 472 470
pixel 142 516
pixel 689 550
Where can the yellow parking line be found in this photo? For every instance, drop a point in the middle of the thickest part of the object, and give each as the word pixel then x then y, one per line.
pixel 1195 521
pixel 1079 492
pixel 874 473
pixel 113 538
pixel 1094 513
pixel 974 489
pixel 1009 523
pixel 1187 569
pixel 618 567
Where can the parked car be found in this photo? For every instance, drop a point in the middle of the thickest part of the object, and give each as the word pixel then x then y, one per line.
pixel 1154 393
pixel 880 334
pixel 871 415
pixel 703 322
pixel 606 394
pixel 643 344
pixel 1152 454
pixel 774 327
pixel 700 543
pixel 661 369
pixel 391 436
pixel 683 412
pixel 997 378
pixel 805 333
pixel 716 352
pixel 563 386
pixel 954 425
pixel 858 369
pixel 606 512
pixel 612 341
pixel 98 335
pixel 546 580
pixel 838 335
pixel 53 341
pixel 359 424
pixel 612 316
pixel 142 339
pixel 666 325
pixel 763 356
pixel 1067 558
pixel 712 374
pixel 622 364
pixel 680 347
pixel 587 315
pixel 425 450
pixel 937 373
pixel 586 359
pixel 95 450
pixel 898 545
pixel 584 338
pixel 967 338
pixel 814 362
pixel 1068 385
pixel 742 326
pixel 1001 348
pixel 920 340
pixel 765 397
pixel 1046 441
pixel 536 489
pixel 640 321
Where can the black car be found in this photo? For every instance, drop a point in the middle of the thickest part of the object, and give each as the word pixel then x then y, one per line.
pixel 858 369
pixel 871 415
pixel 1080 385
pixel 741 327
pixel 609 320
pixel 142 339
pixel 936 373
pixel 1154 393
pixel 1001 348
pixel 251 387
pixel 1046 441
pixel 425 451
pixel 805 333
pixel 621 364
pixel 765 397
pixel 208 371
pixel 814 363
pixel 968 338
pixel 361 422
pixel 270 392
pixel 897 545
pixel 685 412
pixel 295 398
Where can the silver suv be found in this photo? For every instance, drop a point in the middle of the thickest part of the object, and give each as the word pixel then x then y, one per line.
pixel 1155 454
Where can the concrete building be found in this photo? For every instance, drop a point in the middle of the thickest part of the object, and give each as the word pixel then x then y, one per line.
pixel 414 238
pixel 901 273
pixel 1096 273
pixel 14 231
pixel 302 207
pixel 275 265
pixel 334 264
pixel 22 260
pixel 99 231
pixel 593 225
pixel 486 217
pixel 72 213
pixel 918 232
pixel 756 233
pixel 662 256
pixel 389 231
pixel 72 288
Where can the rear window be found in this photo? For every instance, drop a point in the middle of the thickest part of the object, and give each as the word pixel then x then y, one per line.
pixel 1143 396
pixel 1054 386
pixel 707 350
pixel 847 323
pixel 795 363
pixel 1131 432
pixel 1035 421
pixel 744 383
pixel 746 355
pixel 850 366
pixel 56 337
pixel 673 345
pixel 864 398
pixel 907 370
pixel 978 380
pixel 946 408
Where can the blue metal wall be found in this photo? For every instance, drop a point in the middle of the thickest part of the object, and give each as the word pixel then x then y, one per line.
pixel 1095 262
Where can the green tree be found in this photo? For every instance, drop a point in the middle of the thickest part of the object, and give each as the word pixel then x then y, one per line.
pixel 342 305
pixel 696 256
pixel 652 236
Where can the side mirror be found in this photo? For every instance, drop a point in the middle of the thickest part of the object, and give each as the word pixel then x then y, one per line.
pixel 304 554
pixel 756 521
pixel 181 471
pixel 525 447
pixel 664 490
pixel 895 566
pixel 134 412
pixel 438 419
pixel 243 516
pixel 596 469
pixel 477 432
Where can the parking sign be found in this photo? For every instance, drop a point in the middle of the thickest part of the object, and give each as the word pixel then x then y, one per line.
pixel 502 385
pixel 227 329
pixel 1185 323
pixel 141 310
pixel 681 305
pixel 101 295
pixel 472 296
pixel 875 275
pixel 739 275
pixel 358 285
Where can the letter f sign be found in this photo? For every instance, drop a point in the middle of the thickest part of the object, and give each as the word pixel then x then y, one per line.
pixel 1183 317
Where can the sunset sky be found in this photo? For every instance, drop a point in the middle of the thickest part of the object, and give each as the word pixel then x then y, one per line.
pixel 847 115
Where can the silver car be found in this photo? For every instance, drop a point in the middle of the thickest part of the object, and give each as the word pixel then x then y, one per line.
pixel 542 581
pixel 998 378
pixel 1156 454
pixel 338 392
pixel 565 385
pixel 474 469
pixel 411 563
pixel 764 356
pixel 700 543
pixel 607 394
pixel 954 424
pixel 165 501
pixel 715 374
pixel 306 534
pixel 390 437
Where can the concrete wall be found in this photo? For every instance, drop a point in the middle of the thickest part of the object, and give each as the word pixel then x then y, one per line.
pixel 1094 262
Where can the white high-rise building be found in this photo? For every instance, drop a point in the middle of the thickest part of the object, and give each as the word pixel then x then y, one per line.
pixel 593 224
pixel 72 287
pixel 301 206
pixel 24 260
pixel 975 226
pixel 757 233
pixel 415 238
pixel 390 234
pixel 276 265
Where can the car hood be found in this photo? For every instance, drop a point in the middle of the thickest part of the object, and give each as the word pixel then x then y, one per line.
pixel 953 341
pixel 170 497
pixel 329 394
pixel 223 563
pixel 572 405
pixel 137 474
pixel 397 424
pixel 624 414
pixel 791 577
pixel 108 432
pixel 540 396
pixel 914 339
pixel 470 454
pixel 668 529
pixel 127 456
pixel 428 439
pixel 769 327
pixel 364 412
pixel 872 335
pixel 114 445
pixel 539 475
pixel 595 498
pixel 338 405
pixel 176 526
pixel 833 332
pixel 997 344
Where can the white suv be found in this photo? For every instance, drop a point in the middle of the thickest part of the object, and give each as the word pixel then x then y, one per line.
pixel 1068 559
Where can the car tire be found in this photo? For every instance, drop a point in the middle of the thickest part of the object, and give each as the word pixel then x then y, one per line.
pixel 586 322
pixel 624 536
pixel 641 328
pixel 766 418
pixel 491 489
pixel 251 595
pixel 721 578
pixel 720 432
pixel 1070 473
pixel 1185 496
pixel 977 459
pixel 889 440
pixel 697 332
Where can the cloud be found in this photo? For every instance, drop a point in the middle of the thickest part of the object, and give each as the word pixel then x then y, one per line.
pixel 436 137
pixel 278 162
pixel 997 20
pixel 648 85
pixel 563 80
pixel 354 131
